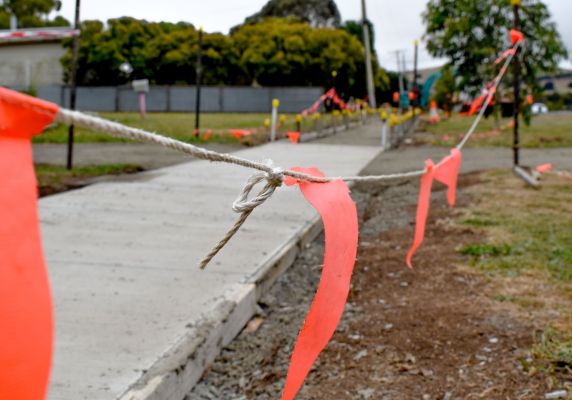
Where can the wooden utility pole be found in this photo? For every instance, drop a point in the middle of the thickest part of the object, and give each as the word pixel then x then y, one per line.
pixel 415 72
pixel 368 66
pixel 516 73
pixel 73 88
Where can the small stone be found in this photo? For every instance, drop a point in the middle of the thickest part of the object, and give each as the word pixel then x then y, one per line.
pixel 493 340
pixel 366 393
pixel 387 327
pixel 360 355
pixel 558 394
pixel 426 372
pixel 404 284
pixel 410 358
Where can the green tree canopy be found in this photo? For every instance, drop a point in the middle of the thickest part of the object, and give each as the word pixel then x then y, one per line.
pixel 473 33
pixel 318 13
pixel 31 13
pixel 274 52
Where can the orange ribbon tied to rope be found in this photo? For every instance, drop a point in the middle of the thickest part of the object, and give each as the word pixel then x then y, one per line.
pixel 446 172
pixel 505 55
pixel 339 214
pixel 516 37
pixel 543 168
pixel 294 137
pixel 26 334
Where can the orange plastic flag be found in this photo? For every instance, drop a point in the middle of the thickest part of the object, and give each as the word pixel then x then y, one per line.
pixel 294 137
pixel 516 36
pixel 339 214
pixel 207 135
pixel 477 104
pixel 26 332
pixel 447 172
pixel 505 55
pixel 422 210
pixel 544 168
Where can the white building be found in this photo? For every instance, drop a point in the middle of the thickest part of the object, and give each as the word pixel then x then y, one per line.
pixel 31 58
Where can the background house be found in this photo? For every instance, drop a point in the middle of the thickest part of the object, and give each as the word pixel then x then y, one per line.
pixel 31 58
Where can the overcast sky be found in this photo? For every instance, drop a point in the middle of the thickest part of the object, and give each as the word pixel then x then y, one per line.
pixel 397 23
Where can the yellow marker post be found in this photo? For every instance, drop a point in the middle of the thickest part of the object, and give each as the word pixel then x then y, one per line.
pixel 299 123
pixel 275 105
pixel 384 127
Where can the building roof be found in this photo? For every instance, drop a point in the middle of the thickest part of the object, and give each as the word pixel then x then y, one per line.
pixel 36 35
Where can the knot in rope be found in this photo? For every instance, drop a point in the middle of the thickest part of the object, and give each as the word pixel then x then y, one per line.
pixel 273 179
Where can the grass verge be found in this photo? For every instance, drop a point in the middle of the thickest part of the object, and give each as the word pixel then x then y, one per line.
pixel 528 255
pixel 545 131
pixel 55 179
pixel 176 125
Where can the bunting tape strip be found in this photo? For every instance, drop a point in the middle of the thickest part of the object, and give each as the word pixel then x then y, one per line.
pixel 26 334
pixel 339 214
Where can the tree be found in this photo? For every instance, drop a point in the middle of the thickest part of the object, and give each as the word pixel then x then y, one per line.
pixel 445 89
pixel 275 52
pixel 31 13
pixel 356 28
pixel 318 13
pixel 473 33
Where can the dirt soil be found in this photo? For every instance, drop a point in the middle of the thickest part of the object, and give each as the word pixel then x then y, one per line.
pixel 431 333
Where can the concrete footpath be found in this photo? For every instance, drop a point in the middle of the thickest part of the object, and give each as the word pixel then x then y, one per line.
pixel 135 317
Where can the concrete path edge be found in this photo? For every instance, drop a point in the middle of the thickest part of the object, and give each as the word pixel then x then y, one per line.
pixel 181 368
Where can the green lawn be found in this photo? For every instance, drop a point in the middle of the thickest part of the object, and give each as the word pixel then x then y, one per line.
pixel 177 125
pixel 525 247
pixel 54 179
pixel 544 131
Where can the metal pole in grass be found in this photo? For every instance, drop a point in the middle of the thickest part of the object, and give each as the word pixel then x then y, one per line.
pixel 516 73
pixel 368 66
pixel 73 88
pixel 199 71
pixel 415 101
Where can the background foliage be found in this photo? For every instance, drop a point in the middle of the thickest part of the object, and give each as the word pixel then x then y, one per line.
pixel 273 52
pixel 472 34
pixel 31 13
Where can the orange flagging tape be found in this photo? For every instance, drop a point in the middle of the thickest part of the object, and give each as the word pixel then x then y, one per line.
pixel 294 137
pixel 422 210
pixel 544 168
pixel 446 172
pixel 26 335
pixel 505 55
pixel 516 36
pixel 339 214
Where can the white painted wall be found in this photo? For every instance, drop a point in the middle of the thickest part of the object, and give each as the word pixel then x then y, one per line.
pixel 28 65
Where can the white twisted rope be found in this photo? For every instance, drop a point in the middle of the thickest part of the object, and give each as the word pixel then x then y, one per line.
pixel 69 117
